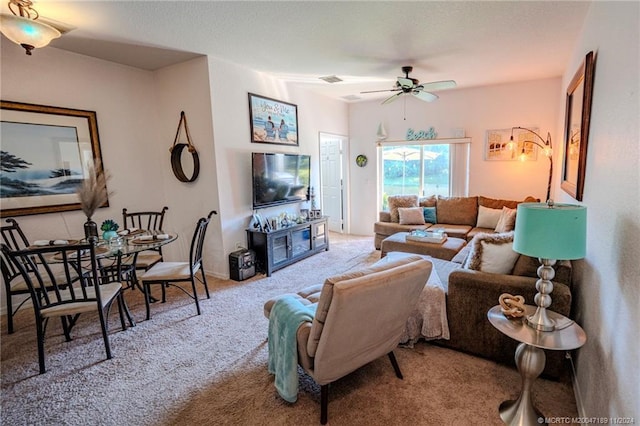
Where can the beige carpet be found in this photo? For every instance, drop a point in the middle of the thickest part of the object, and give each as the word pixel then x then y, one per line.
pixel 182 369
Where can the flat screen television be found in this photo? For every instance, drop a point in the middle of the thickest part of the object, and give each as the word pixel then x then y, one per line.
pixel 279 178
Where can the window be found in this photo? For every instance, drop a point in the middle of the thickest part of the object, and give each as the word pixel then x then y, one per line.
pixel 423 168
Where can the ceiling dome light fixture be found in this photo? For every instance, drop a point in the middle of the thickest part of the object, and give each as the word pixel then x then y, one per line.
pixel 23 28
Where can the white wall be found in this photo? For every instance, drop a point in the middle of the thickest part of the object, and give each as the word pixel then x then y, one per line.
pixel 138 113
pixel 230 85
pixel 608 280
pixel 185 87
pixel 124 100
pixel 476 110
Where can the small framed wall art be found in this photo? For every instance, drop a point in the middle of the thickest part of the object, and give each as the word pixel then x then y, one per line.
pixel 273 121
pixel 361 160
pixel 497 145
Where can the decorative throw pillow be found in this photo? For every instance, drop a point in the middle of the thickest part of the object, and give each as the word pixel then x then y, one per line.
pixel 396 201
pixel 411 215
pixel 487 217
pixel 507 220
pixel 492 253
pixel 429 214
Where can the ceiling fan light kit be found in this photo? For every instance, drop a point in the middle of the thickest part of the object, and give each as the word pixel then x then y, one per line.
pixel 411 86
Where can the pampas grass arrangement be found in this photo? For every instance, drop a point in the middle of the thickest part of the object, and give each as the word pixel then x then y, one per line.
pixel 92 192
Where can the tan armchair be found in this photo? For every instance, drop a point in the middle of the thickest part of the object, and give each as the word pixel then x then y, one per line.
pixel 360 316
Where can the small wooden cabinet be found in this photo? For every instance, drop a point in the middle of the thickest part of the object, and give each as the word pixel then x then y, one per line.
pixel 277 249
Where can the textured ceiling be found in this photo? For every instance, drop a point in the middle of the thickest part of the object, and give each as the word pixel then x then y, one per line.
pixel 364 43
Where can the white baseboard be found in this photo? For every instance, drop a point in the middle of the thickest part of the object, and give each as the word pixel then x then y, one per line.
pixel 576 388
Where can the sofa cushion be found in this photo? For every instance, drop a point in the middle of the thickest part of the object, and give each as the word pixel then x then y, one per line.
pixel 493 203
pixel 457 210
pixel 528 267
pixel 397 201
pixel 427 201
pixel 389 228
pixel 429 214
pixel 492 253
pixel 507 220
pixel 475 231
pixel 488 217
pixel 411 215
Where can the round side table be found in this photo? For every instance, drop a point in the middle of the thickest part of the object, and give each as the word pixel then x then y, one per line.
pixel 530 357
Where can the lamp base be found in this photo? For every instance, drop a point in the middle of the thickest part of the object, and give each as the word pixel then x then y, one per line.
pixel 521 412
pixel 540 321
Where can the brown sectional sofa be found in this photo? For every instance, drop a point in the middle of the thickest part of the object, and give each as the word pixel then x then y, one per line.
pixel 457 216
pixel 470 294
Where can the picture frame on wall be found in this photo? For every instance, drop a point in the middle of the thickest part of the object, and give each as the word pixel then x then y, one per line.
pixel 273 121
pixel 576 130
pixel 46 154
pixel 497 145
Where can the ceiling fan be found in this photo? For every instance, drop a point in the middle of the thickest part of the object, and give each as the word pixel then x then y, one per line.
pixel 407 85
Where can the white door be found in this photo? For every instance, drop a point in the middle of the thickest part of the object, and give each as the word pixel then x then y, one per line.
pixel 332 179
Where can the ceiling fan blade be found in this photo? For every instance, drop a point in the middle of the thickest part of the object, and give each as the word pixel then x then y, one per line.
pixel 425 96
pixel 392 98
pixel 438 85
pixel 405 83
pixel 376 91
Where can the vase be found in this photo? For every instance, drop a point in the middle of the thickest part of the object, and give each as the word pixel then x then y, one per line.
pixel 90 229
pixel 108 235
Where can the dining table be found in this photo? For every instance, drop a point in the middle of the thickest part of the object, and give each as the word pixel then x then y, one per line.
pixel 117 256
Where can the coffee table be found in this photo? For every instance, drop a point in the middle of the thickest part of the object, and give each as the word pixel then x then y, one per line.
pixel 398 242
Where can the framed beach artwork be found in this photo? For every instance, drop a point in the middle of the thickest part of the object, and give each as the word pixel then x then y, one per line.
pixel 576 131
pixel 497 145
pixel 46 152
pixel 273 121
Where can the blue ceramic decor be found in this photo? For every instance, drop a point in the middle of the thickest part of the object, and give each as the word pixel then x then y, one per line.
pixel 109 228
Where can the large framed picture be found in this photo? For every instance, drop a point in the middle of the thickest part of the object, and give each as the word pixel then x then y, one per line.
pixel 273 121
pixel 576 130
pixel 46 153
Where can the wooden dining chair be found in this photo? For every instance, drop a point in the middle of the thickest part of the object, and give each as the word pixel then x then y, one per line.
pixel 174 273
pixel 79 288
pixel 148 220
pixel 14 285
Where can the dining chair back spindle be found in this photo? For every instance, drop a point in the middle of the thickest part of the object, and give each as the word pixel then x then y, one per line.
pixel 148 220
pixel 15 239
pixel 144 220
pixel 73 284
pixel 173 273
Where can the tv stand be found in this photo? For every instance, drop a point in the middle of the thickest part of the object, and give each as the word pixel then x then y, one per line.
pixel 282 247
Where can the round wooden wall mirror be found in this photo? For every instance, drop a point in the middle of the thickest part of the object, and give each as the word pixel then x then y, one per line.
pixel 176 162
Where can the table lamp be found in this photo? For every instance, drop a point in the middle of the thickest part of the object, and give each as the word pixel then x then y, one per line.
pixel 549 232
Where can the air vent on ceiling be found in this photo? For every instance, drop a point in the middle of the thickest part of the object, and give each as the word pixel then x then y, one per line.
pixel 351 98
pixel 331 79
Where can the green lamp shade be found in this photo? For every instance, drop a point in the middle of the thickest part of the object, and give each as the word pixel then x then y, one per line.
pixel 558 232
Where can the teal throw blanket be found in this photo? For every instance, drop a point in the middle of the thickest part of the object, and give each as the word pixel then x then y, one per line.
pixel 286 316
